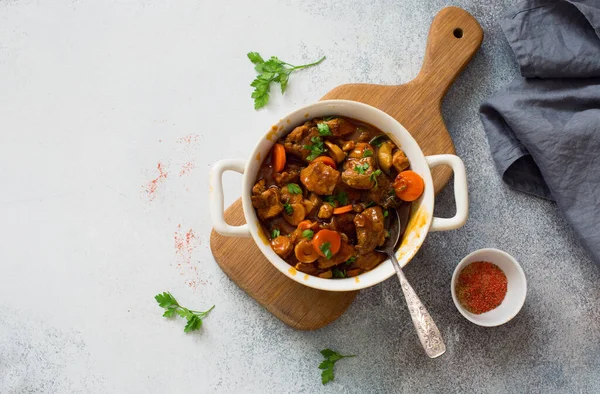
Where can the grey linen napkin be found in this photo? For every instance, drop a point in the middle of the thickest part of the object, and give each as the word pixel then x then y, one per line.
pixel 544 127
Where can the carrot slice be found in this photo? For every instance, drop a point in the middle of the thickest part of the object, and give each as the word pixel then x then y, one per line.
pixel 326 160
pixel 323 237
pixel 304 225
pixel 278 158
pixel 409 185
pixel 344 209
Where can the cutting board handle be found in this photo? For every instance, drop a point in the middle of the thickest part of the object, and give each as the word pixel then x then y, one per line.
pixel 454 37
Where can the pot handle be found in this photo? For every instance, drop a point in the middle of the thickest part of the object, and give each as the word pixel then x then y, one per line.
pixel 216 198
pixel 461 194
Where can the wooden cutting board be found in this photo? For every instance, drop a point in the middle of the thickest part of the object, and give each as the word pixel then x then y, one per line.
pixel 453 39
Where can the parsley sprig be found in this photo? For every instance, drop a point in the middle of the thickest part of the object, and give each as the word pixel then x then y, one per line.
pixel 374 176
pixel 331 357
pixel 288 209
pixel 294 188
pixel 341 198
pixel 272 70
pixel 308 234
pixel 194 318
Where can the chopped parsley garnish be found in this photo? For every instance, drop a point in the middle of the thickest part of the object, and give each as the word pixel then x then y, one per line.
pixel 367 153
pixel 370 204
pixel 328 118
pixel 308 234
pixel 385 213
pixel 326 249
pixel 350 260
pixel 324 129
pixel 316 149
pixel 275 233
pixel 338 273
pixel 361 168
pixel 378 140
pixel 374 176
pixel 288 209
pixel 294 188
pixel 341 198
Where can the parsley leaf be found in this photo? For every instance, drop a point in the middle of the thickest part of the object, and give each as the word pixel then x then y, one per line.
pixel 194 318
pixel 385 213
pixel 324 129
pixel 272 70
pixel 308 234
pixel 367 153
pixel 275 233
pixel 370 204
pixel 361 168
pixel 342 198
pixel 338 273
pixel 378 140
pixel 316 149
pixel 328 118
pixel 331 357
pixel 294 188
pixel 374 176
pixel 326 249
pixel 288 209
pixel 350 260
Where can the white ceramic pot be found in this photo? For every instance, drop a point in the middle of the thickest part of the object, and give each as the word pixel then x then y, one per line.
pixel 421 221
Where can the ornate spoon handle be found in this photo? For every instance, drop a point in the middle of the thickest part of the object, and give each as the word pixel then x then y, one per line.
pixel 428 333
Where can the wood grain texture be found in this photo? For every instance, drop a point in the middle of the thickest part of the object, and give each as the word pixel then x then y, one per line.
pixel 296 305
pixel 417 105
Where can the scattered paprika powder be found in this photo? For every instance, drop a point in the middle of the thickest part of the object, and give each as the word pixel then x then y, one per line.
pixel 481 286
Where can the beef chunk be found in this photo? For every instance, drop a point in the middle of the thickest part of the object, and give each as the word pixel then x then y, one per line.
pixel 400 161
pixel 383 194
pixel 346 251
pixel 289 176
pixel 267 202
pixel 295 141
pixel 357 172
pixel 368 261
pixel 344 224
pixel 370 230
pixel 340 127
pixel 319 178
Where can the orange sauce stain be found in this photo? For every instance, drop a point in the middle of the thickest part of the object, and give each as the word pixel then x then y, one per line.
pixel 288 121
pixel 272 134
pixel 258 156
pixel 418 220
pixel 306 115
pixel 356 279
pixel 280 128
pixel 292 271
pixel 262 234
pixel 306 277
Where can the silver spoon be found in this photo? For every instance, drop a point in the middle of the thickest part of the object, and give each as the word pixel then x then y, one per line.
pixel 428 333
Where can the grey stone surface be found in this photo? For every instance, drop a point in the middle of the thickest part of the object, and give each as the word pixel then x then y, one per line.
pixel 92 95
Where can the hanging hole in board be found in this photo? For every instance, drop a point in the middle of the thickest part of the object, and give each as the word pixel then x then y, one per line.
pixel 458 32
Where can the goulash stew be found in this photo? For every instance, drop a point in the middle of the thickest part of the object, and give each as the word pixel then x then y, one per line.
pixel 323 192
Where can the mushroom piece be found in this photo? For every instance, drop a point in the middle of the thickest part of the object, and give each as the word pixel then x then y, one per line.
pixel 282 246
pixel 335 152
pixel 384 156
pixel 305 252
pixel 298 214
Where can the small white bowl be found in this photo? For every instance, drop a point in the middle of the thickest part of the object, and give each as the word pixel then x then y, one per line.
pixel 515 292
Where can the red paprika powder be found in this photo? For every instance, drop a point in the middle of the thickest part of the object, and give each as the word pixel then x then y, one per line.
pixel 481 287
